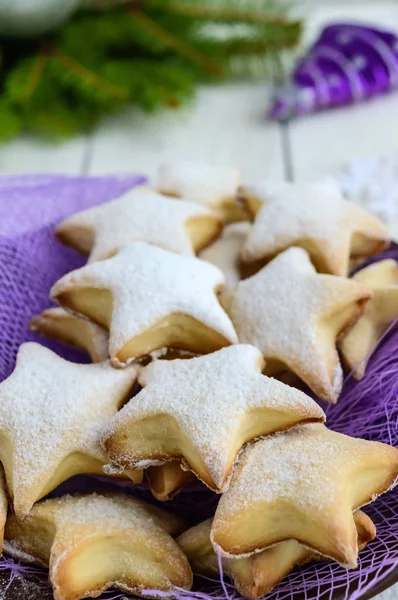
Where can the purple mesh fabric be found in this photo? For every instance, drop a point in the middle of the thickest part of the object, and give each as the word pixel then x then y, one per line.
pixel 31 260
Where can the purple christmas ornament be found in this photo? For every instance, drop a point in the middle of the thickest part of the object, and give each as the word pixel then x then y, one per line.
pixel 348 63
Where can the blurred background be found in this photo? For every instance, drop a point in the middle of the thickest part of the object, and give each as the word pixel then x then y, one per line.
pixel 106 87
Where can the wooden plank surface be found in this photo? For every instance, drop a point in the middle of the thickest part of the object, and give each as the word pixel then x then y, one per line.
pixel 30 155
pixel 322 143
pixel 224 125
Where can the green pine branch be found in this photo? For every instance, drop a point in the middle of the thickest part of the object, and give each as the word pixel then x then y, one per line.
pixel 254 12
pixel 151 53
pixel 171 41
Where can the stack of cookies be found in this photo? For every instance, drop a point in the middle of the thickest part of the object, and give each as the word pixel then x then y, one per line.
pixel 212 311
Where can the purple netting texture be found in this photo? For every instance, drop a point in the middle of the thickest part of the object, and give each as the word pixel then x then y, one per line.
pixel 31 260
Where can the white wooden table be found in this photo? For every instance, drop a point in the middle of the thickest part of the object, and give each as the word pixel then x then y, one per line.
pixel 226 125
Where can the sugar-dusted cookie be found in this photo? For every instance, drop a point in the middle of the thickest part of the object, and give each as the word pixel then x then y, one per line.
pixel 253 196
pixel 197 547
pixel 202 411
pixel 61 325
pixel 167 480
pixel 380 313
pixel 302 485
pixel 150 298
pixel 97 541
pixel 3 507
pixel 294 316
pixel 209 185
pixel 225 252
pixel 52 413
pixel 259 573
pixel 141 215
pixel 316 217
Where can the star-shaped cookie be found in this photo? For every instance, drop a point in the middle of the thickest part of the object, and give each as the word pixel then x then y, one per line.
pixel 65 327
pixel 294 316
pixel 3 507
pixel 150 298
pixel 96 541
pixel 202 411
pixel 316 217
pixel 141 215
pixel 302 485
pixel 52 413
pixel 209 185
pixel 167 480
pixel 254 195
pixel 381 311
pixel 225 252
pixel 259 573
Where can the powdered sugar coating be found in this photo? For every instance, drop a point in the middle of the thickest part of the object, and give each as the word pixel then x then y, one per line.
pixel 105 511
pixel 280 310
pixel 310 466
pixel 225 252
pixel 139 215
pixel 299 211
pixel 261 191
pixel 209 396
pixel 313 214
pixel 205 184
pixel 303 485
pixel 75 520
pixel 99 341
pixel 49 409
pixel 149 284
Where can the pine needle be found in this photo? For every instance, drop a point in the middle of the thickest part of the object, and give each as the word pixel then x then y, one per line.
pixel 151 53
pixel 173 42
pixel 225 13
pixel 89 77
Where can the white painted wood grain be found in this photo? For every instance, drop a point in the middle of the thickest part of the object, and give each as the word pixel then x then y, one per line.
pixel 30 155
pixel 323 142
pixel 224 125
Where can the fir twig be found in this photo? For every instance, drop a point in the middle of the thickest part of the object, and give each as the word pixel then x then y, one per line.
pixel 152 53
pixel 244 47
pixel 89 76
pixel 33 79
pixel 224 13
pixel 173 42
